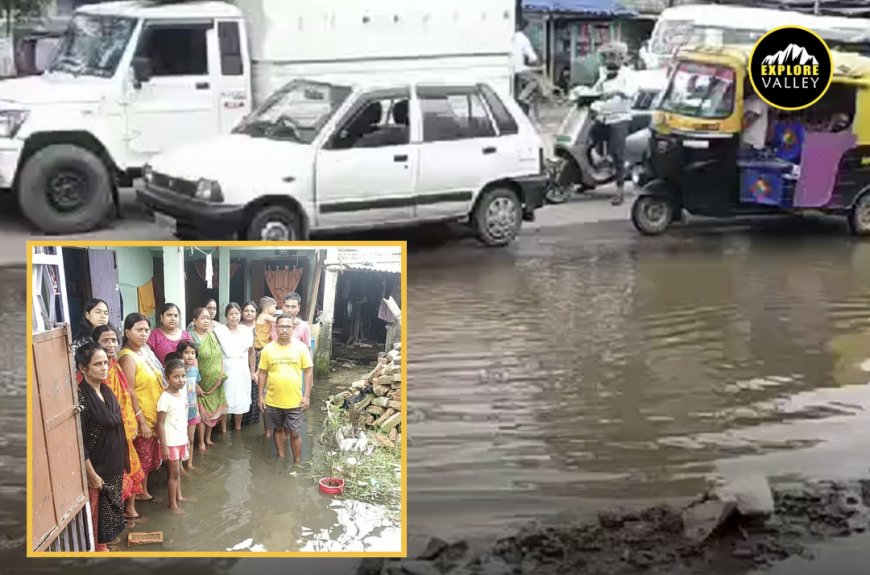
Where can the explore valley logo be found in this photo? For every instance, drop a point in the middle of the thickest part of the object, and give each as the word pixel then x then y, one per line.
pixel 791 67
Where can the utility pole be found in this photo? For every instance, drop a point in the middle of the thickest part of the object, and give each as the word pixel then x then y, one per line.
pixel 816 7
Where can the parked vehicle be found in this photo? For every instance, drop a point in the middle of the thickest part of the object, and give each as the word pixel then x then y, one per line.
pixel 133 79
pixel 814 167
pixel 715 24
pixel 318 156
pixel 581 161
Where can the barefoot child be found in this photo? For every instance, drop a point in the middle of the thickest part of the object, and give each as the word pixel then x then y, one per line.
pixel 264 334
pixel 172 427
pixel 188 352
pixel 174 355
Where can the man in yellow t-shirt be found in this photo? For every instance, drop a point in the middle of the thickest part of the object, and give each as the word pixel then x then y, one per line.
pixel 283 365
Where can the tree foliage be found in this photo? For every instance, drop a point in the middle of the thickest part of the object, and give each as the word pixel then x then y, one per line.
pixel 13 10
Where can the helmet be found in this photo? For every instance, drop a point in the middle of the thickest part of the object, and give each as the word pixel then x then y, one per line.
pixel 614 55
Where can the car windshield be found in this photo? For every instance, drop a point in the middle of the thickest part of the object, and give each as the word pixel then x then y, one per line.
pixel 672 34
pixel 668 35
pixel 93 45
pixel 296 113
pixel 700 90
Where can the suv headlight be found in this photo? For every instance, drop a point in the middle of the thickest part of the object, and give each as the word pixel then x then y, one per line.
pixel 209 190
pixel 11 121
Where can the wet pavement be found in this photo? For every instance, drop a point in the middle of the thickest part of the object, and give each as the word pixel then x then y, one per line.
pixel 586 365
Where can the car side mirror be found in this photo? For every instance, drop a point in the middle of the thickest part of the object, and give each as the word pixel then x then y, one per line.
pixel 141 70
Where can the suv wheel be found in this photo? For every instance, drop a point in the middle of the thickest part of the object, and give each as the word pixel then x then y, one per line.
pixel 498 217
pixel 65 189
pixel 276 224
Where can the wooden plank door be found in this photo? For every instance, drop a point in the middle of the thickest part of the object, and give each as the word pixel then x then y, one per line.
pixel 59 481
pixel 104 283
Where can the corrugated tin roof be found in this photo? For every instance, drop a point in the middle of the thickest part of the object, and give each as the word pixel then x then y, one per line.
pixel 377 259
pixel 596 7
pixel 386 267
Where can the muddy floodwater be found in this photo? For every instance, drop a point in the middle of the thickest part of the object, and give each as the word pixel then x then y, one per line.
pixel 602 367
pixel 578 368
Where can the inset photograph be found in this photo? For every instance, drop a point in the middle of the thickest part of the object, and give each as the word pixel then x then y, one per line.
pixel 192 399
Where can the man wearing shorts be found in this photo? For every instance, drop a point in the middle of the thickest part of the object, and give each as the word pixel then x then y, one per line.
pixel 284 364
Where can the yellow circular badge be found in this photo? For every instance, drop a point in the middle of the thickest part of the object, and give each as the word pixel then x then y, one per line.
pixel 791 68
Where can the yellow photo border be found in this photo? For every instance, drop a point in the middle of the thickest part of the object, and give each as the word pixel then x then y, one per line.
pixel 403 245
pixel 793 27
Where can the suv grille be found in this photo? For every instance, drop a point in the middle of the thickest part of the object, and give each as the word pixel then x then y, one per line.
pixel 177 185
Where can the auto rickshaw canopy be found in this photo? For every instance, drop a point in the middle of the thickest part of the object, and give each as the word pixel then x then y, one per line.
pixel 848 66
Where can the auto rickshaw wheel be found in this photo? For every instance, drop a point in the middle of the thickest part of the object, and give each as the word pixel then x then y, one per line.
pixel 652 214
pixel 859 217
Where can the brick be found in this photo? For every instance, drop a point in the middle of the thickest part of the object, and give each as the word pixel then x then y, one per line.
pixel 380 401
pixel 390 422
pixel 397 405
pixel 381 390
pixel 375 410
pixel 370 419
pixel 394 434
pixel 383 440
pixel 387 414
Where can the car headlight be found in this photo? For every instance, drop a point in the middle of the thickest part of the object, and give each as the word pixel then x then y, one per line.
pixel 209 190
pixel 148 174
pixel 11 121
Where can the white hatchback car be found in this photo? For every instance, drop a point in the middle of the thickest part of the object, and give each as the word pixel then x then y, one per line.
pixel 317 156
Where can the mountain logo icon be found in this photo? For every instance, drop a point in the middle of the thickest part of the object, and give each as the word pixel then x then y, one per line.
pixel 792 54
pixel 790 68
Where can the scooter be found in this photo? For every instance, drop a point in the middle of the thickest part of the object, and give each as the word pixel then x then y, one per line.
pixel 581 160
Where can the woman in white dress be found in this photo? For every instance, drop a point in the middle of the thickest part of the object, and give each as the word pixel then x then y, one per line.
pixel 237 344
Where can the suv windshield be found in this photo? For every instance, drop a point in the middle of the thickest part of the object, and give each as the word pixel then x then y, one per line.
pixel 700 90
pixel 93 45
pixel 296 113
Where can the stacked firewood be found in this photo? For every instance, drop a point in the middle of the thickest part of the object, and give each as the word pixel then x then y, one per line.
pixel 375 401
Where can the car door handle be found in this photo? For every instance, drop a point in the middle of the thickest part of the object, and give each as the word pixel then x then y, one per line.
pixel 400 158
pixel 489 150
pixel 202 85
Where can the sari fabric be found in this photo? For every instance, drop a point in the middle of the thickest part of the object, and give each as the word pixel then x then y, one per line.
pixel 148 385
pixel 213 401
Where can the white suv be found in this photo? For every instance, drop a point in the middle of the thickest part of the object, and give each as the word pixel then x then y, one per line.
pixel 317 156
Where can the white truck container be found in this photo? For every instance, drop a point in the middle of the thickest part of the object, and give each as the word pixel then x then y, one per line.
pixel 133 79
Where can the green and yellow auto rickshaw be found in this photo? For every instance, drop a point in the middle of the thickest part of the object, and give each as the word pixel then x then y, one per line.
pixel 819 157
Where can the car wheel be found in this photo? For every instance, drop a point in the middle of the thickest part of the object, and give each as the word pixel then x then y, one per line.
pixel 859 217
pixel 498 217
pixel 65 189
pixel 651 215
pixel 276 224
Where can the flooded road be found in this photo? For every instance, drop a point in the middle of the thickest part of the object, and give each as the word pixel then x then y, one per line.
pixel 578 371
pixel 585 365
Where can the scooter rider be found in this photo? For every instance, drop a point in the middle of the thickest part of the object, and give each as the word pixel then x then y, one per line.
pixel 522 57
pixel 614 109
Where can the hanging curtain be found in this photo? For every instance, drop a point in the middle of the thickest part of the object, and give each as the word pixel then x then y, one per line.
pixel 384 312
pixel 199 266
pixel 282 281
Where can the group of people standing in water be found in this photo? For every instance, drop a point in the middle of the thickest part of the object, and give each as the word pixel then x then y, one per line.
pixel 156 395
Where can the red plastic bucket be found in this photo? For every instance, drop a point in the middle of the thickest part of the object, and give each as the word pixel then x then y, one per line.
pixel 332 485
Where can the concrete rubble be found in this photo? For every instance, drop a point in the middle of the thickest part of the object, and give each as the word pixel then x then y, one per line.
pixel 726 530
pixel 375 405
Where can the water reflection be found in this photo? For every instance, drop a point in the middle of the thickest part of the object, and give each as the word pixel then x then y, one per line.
pixel 622 370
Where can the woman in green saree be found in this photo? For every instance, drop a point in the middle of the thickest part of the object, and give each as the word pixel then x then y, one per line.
pixel 210 394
